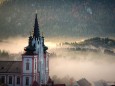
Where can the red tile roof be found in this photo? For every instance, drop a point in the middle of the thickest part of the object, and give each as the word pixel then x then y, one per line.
pixel 10 66
pixel 35 83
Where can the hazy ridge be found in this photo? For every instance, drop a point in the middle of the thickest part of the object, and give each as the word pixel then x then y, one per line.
pixel 96 44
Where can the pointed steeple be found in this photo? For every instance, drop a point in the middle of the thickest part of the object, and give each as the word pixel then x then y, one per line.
pixel 36 33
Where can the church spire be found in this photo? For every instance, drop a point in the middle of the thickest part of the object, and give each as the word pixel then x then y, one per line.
pixel 36 33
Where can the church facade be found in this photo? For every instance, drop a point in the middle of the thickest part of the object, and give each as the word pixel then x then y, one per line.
pixel 35 59
pixel 34 67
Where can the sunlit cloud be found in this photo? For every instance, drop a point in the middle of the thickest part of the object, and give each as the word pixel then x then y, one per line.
pixel 17 44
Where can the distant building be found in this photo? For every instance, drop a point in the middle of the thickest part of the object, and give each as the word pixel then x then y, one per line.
pixel 33 70
pixel 101 83
pixel 111 83
pixel 82 82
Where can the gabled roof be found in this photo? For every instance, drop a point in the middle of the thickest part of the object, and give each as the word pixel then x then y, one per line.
pixel 35 83
pixel 83 82
pixel 50 80
pixel 10 66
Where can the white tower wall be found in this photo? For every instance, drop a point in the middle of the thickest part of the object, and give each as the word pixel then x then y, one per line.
pixel 32 73
pixel 27 59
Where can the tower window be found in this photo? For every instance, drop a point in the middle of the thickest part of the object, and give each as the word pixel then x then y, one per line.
pixel 27 66
pixel 10 79
pixel 18 80
pixel 27 80
pixel 35 64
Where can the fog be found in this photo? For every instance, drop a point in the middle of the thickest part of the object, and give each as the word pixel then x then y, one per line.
pixel 92 66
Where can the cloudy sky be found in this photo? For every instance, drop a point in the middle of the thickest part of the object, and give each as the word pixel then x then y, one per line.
pixel 58 19
pixel 67 18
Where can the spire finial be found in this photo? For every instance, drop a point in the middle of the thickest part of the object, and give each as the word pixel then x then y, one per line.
pixel 36 14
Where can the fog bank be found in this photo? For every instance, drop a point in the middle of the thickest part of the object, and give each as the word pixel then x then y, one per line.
pixel 93 66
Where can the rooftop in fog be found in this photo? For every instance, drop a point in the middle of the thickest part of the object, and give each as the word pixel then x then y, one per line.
pixel 10 66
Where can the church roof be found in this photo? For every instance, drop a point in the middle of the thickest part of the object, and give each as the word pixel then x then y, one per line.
pixel 10 66
pixel 83 82
pixel 35 83
pixel 50 80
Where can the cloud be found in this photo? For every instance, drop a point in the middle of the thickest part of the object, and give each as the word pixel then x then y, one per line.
pixel 62 19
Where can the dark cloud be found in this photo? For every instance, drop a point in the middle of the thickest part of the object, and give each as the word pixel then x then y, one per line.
pixel 63 18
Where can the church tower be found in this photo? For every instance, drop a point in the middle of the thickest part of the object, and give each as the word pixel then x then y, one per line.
pixel 35 62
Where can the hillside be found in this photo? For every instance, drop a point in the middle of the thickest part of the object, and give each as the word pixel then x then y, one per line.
pixel 97 44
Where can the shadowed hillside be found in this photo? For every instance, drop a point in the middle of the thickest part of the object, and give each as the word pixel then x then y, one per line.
pixel 97 44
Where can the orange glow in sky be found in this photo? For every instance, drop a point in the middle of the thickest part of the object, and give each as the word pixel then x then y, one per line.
pixel 16 45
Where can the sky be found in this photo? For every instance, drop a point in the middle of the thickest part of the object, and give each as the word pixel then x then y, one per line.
pixel 65 18
pixel 59 20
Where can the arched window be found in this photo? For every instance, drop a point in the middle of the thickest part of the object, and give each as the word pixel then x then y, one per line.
pixel 27 65
pixel 35 64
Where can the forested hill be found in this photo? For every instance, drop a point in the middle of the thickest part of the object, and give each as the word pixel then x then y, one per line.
pixel 95 44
